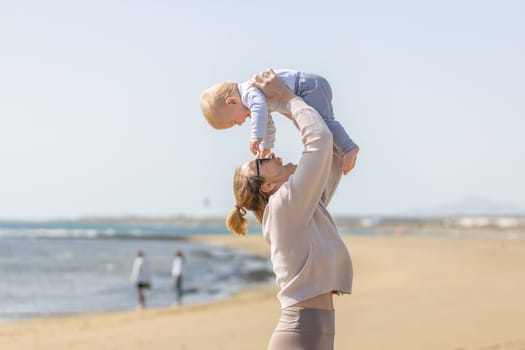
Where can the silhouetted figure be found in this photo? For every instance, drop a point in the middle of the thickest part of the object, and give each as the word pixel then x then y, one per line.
pixel 141 277
pixel 177 272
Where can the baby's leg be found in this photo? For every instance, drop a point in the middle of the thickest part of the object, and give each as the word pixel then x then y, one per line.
pixel 344 144
pixel 342 141
pixel 316 92
pixel 349 159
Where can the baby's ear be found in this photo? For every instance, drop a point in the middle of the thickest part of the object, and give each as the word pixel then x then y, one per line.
pixel 232 100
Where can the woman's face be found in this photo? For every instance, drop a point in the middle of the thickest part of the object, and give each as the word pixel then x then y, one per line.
pixel 270 169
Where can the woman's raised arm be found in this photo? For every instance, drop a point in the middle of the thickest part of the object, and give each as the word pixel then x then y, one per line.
pixel 310 178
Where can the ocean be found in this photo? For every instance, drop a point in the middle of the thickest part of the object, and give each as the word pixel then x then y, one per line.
pixel 71 267
pixel 56 268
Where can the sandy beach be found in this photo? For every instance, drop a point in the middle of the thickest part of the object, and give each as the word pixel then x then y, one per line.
pixel 410 293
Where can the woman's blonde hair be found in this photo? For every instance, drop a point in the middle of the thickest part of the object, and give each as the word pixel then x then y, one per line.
pixel 213 98
pixel 248 195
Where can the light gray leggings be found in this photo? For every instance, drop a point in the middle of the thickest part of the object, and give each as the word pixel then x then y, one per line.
pixel 304 329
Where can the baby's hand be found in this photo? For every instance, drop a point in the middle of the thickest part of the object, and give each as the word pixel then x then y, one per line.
pixel 254 145
pixel 264 153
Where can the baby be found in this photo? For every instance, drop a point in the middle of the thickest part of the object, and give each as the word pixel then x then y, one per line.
pixel 227 104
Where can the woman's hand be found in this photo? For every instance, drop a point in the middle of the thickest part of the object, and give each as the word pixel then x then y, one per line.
pixel 277 93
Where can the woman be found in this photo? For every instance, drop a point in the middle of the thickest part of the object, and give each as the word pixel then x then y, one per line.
pixel 309 259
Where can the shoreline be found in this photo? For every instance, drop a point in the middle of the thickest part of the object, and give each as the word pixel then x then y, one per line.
pixel 410 293
pixel 46 277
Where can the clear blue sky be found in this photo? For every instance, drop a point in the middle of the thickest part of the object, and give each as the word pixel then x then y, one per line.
pixel 99 101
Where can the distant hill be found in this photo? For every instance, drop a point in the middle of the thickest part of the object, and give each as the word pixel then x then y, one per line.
pixel 470 207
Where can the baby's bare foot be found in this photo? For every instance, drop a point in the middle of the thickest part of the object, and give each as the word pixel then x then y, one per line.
pixel 349 160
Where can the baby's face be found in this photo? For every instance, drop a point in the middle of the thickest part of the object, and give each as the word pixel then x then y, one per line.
pixel 231 115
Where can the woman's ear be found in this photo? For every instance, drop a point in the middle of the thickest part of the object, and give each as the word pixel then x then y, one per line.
pixel 268 187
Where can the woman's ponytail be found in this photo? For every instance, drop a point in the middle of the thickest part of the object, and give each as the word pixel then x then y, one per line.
pixel 248 196
pixel 236 221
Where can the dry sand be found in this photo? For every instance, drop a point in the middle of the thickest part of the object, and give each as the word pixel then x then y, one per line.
pixel 410 293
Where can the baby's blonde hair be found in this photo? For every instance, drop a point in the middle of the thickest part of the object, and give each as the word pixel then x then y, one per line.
pixel 213 98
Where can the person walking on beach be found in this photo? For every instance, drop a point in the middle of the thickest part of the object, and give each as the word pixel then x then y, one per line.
pixel 141 277
pixel 227 104
pixel 177 272
pixel 309 258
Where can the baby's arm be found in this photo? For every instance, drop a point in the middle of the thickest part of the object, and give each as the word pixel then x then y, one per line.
pixel 269 141
pixel 263 147
pixel 259 118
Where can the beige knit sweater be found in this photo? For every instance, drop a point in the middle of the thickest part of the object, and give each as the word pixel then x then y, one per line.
pixel 308 256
